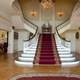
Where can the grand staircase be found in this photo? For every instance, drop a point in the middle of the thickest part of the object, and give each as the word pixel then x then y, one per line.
pixel 51 51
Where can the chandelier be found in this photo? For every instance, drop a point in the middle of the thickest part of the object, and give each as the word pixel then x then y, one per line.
pixel 33 13
pixel 47 4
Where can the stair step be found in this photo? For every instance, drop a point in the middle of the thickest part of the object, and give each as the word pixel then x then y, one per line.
pixel 26 59
pixel 46 62
pixel 68 59
pixel 30 50
pixel 32 47
pixel 48 57
pixel 44 51
pixel 63 49
pixel 70 64
pixel 33 52
pixel 62 52
pixel 68 55
pixel 24 64
pixel 28 55
pixel 61 46
pixel 46 54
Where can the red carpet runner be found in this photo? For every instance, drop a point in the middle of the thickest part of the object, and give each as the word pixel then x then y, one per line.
pixel 47 54
pixel 48 78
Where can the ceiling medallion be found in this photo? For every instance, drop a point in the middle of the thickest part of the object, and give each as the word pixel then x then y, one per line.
pixel 47 4
pixel 33 13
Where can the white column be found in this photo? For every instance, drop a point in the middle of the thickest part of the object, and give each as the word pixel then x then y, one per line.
pixel 11 41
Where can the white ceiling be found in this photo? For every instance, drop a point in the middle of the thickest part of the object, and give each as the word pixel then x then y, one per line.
pixel 44 16
pixel 47 15
pixel 6 7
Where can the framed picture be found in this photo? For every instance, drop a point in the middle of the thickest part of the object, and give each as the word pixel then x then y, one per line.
pixel 15 35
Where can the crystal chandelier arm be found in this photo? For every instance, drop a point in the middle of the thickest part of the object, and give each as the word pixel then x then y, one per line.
pixel 47 3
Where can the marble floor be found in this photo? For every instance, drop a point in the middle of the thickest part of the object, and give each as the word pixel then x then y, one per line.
pixel 8 68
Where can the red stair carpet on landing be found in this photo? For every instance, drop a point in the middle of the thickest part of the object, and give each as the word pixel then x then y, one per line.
pixel 46 52
pixel 49 78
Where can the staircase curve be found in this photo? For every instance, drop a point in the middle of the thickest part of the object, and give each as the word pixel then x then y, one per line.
pixel 67 58
pixel 26 58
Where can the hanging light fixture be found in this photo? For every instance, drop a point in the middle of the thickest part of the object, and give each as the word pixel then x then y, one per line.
pixel 33 13
pixel 47 3
pixel 60 14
